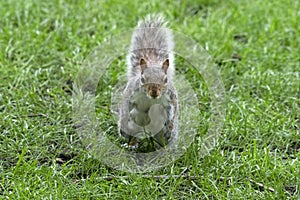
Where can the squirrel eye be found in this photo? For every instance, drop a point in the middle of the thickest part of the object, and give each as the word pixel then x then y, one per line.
pixel 142 79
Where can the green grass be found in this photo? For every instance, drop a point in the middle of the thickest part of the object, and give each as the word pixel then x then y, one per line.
pixel 43 43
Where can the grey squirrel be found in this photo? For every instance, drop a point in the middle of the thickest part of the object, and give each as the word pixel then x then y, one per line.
pixel 149 106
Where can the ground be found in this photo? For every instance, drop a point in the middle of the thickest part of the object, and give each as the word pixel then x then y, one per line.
pixel 255 47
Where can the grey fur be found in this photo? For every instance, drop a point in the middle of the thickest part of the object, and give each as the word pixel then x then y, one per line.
pixel 153 42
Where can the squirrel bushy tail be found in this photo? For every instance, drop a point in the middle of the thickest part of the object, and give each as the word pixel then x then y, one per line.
pixel 152 41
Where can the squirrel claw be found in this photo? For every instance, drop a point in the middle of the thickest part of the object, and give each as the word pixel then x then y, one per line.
pixel 130 146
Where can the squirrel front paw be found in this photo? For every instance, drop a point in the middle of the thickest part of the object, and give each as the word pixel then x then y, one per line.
pixel 140 118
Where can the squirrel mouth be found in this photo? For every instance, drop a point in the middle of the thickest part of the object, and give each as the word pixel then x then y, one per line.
pixel 154 96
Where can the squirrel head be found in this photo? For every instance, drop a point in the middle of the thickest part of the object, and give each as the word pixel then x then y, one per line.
pixel 154 78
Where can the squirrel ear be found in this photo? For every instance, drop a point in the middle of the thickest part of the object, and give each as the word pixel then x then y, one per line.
pixel 143 65
pixel 165 65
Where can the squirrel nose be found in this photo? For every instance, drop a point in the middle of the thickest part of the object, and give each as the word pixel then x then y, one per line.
pixel 154 91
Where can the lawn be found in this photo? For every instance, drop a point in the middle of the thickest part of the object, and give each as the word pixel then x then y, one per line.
pixel 254 45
